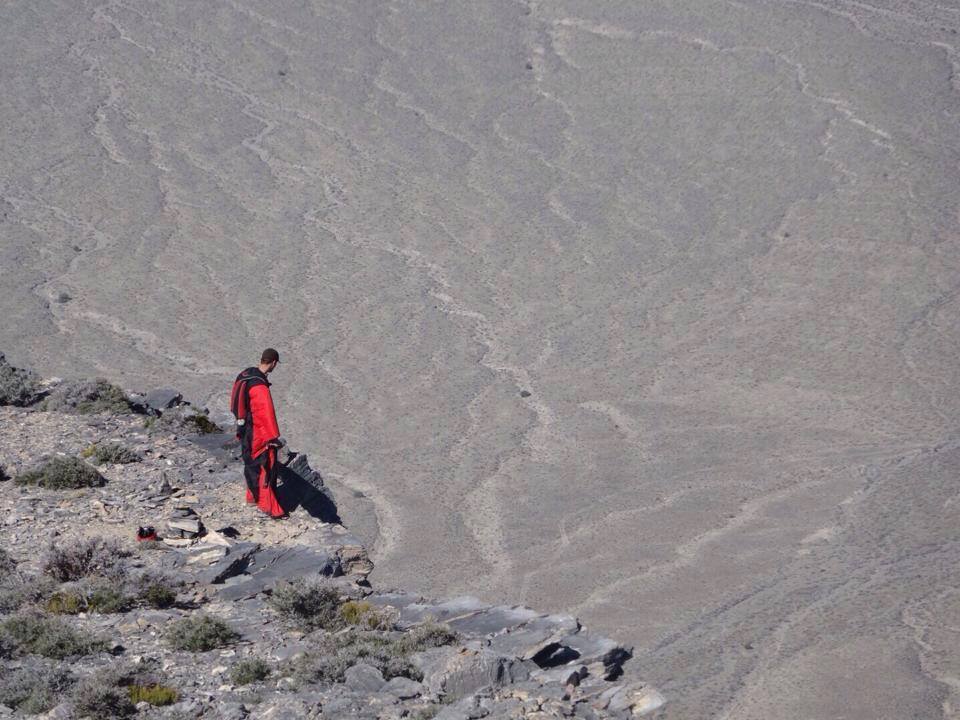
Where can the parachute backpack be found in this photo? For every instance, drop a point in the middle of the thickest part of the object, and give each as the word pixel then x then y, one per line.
pixel 240 407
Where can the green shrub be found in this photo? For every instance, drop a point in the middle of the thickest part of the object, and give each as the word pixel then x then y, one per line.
pixel 33 634
pixel 310 605
pixel 249 670
pixel 158 595
pixel 200 633
pixel 73 559
pixel 114 453
pixel 100 697
pixel 33 690
pixel 362 614
pixel 203 424
pixel 18 386
pixel 86 397
pixel 62 473
pixel 66 603
pixel 153 694
pixel 107 599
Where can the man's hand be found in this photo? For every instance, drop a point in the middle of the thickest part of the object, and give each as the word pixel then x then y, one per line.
pixel 277 442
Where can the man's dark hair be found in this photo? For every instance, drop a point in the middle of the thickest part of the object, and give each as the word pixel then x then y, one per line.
pixel 270 355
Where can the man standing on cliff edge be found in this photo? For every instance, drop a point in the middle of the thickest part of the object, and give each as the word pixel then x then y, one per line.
pixel 258 433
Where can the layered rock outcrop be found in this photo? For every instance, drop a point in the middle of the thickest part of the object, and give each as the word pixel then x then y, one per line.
pixel 224 565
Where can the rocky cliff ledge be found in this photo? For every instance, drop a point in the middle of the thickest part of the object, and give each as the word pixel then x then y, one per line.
pixel 229 614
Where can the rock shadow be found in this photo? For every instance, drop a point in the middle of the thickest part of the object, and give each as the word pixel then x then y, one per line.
pixel 300 486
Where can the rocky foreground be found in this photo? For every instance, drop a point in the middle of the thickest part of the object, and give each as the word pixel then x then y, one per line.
pixel 227 613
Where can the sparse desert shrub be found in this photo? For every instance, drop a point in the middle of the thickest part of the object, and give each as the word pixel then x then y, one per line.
pixel 390 653
pixel 107 599
pixel 311 605
pixel 427 713
pixel 103 453
pixel 185 419
pixel 427 635
pixel 62 473
pixel 249 670
pixel 18 386
pixel 35 634
pixel 101 697
pixel 158 595
pixel 151 545
pixel 7 563
pixel 200 633
pixel 362 614
pixel 17 590
pixel 203 424
pixel 155 694
pixel 72 559
pixel 331 655
pixel 33 690
pixel 86 397
pixel 65 602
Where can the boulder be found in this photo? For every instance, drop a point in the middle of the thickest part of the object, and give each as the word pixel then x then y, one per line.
pixel 416 613
pixel 492 620
pixel 233 563
pixel 274 565
pixel 162 399
pixel 458 673
pixel 363 678
pixel 403 688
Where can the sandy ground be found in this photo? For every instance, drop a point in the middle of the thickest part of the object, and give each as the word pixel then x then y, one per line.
pixel 642 311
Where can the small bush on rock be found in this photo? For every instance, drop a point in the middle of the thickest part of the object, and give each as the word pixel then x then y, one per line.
pixel 427 635
pixel 17 386
pixel 7 563
pixel 33 690
pixel 333 654
pixel 87 397
pixel 157 695
pixel 364 615
pixel 158 595
pixel 200 633
pixel 311 605
pixel 73 559
pixel 63 473
pixel 249 670
pixel 427 713
pixel 107 599
pixel 34 634
pixel 111 453
pixel 66 603
pixel 101 697
pixel 203 424
pixel 17 590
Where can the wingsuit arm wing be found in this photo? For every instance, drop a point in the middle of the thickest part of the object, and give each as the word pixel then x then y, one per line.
pixel 264 417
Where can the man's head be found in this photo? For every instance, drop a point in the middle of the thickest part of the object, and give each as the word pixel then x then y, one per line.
pixel 269 360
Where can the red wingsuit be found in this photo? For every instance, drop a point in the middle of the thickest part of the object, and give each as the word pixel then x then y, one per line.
pixel 265 430
pixel 260 464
